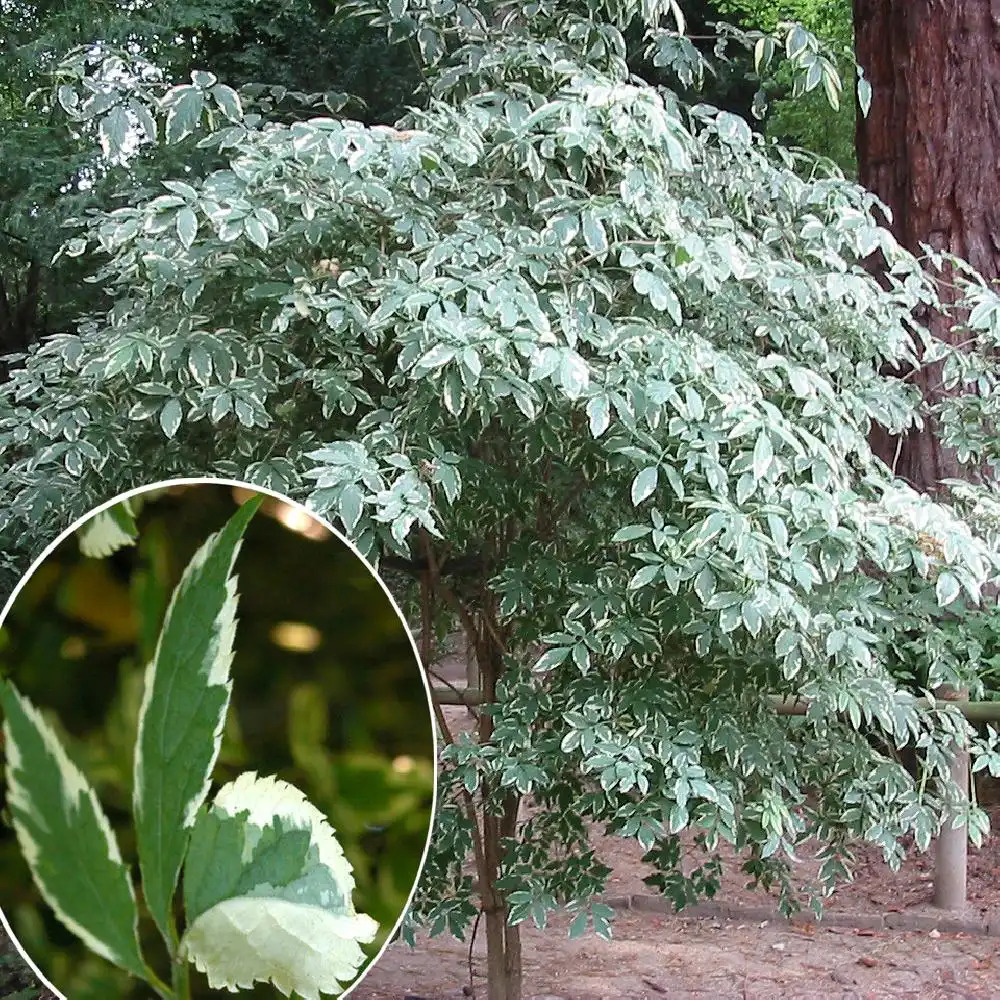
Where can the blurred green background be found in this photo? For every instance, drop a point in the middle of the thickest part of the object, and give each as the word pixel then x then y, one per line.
pixel 327 694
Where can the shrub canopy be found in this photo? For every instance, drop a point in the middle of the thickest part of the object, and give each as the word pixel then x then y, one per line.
pixel 617 359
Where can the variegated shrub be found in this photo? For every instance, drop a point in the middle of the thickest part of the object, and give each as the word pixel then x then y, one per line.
pixel 601 367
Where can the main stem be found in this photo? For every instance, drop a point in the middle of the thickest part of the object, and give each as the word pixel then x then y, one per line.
pixel 503 942
pixel 180 976
pixel 160 988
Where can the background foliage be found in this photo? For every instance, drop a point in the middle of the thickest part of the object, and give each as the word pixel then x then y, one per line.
pixel 49 173
pixel 807 120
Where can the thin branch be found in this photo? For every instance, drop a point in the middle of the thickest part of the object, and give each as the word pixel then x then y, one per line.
pixel 457 691
pixel 426 584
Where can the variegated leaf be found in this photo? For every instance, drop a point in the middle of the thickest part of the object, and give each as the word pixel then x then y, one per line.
pixel 183 712
pixel 65 837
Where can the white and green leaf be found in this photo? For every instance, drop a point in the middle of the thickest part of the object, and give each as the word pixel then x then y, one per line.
pixel 66 838
pixel 268 894
pixel 183 712
pixel 109 530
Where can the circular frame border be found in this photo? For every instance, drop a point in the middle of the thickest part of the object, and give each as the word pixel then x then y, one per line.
pixel 242 484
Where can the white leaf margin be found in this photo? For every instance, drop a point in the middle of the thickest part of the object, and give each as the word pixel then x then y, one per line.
pixel 299 948
pixel 76 787
pixel 302 949
pixel 101 536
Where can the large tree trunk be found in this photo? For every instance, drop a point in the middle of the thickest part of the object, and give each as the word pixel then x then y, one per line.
pixel 929 149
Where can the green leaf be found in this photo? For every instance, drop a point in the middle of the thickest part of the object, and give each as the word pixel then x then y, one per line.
pixel 350 505
pixel 864 96
pixel 170 417
pixel 947 588
pixel 831 84
pixel 574 374
pixel 599 414
pixel 814 74
pixel 68 99
pixel 112 131
pixel 704 584
pixel 594 234
pixel 268 894
pixel 472 364
pixel 108 531
pixel 187 227
pixel 256 232
pixel 221 405
pixel 146 121
pixel 192 290
pixel 66 838
pixel 437 356
pixel 200 364
pixel 663 297
pixel 645 576
pixel 676 483
pixel 630 533
pixel 203 80
pixel 787 641
pixel 763 53
pixel 796 42
pixel 75 246
pixel 183 709
pixel 762 454
pixel 188 193
pixel 644 484
pixel 723 599
pixel 565 227
pixel 551 658
pixel 643 281
pixel 745 487
pixel 228 101
pixel 752 619
pixel 184 107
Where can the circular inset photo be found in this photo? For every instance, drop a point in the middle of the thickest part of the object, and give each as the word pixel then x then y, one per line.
pixel 218 753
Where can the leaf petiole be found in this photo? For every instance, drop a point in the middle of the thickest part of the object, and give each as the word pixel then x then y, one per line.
pixel 159 986
pixel 181 978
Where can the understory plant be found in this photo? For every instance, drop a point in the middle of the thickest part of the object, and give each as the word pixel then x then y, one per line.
pixel 598 369
pixel 263 885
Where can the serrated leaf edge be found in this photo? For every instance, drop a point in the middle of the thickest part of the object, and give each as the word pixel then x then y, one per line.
pixel 78 786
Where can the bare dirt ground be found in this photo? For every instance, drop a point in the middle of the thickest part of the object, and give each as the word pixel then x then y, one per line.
pixel 657 955
pixel 654 956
